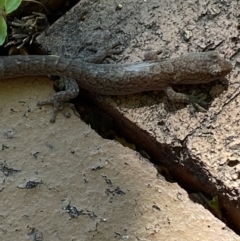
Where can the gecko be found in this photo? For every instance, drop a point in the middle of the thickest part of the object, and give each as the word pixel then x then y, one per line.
pixel 119 79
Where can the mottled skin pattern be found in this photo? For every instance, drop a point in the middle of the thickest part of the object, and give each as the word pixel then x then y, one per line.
pixel 117 79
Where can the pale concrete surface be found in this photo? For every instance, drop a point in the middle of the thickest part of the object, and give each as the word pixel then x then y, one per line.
pixel 119 193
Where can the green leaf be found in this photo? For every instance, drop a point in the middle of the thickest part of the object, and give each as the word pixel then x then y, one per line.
pixel 2 12
pixel 11 5
pixel 3 30
pixel 2 8
pixel 2 3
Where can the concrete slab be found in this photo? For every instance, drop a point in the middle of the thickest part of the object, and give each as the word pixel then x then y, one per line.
pixel 51 171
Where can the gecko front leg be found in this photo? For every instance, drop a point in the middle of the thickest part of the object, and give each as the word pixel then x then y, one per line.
pixel 174 96
pixel 195 101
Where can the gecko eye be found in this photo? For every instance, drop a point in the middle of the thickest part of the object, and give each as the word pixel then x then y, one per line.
pixel 213 54
pixel 215 70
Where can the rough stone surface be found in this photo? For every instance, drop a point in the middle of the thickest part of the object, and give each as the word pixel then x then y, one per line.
pixel 201 150
pixel 118 194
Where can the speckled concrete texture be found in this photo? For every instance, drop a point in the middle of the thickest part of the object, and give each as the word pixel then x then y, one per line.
pixel 63 182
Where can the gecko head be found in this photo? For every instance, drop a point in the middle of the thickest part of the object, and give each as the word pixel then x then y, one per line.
pixel 218 66
pixel 206 67
pixel 225 66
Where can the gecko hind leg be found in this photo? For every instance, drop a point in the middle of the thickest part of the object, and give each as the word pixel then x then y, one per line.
pixel 59 100
pixel 105 51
